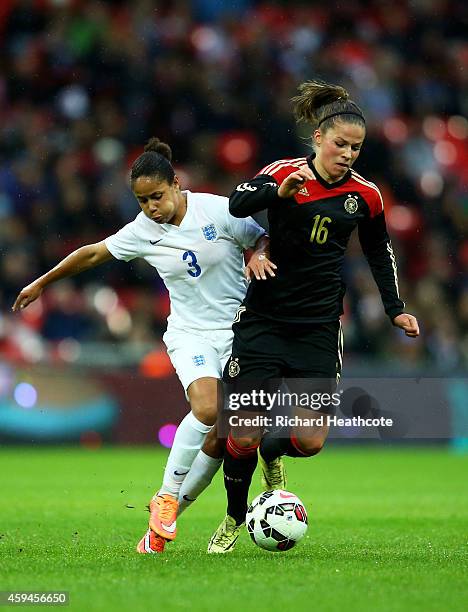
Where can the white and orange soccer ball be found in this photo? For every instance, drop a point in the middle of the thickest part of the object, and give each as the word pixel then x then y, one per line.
pixel 276 520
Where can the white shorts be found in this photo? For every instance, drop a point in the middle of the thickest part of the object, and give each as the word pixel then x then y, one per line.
pixel 197 354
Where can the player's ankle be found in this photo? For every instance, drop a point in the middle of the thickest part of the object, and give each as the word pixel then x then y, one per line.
pixel 167 493
pixel 237 516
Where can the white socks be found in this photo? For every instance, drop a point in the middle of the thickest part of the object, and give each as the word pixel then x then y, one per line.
pixel 201 474
pixel 188 440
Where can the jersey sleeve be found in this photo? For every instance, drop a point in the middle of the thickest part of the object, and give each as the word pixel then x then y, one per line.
pixel 124 244
pixel 378 250
pixel 245 232
pixel 255 195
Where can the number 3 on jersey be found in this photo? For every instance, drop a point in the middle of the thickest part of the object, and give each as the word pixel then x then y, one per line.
pixel 193 267
pixel 319 231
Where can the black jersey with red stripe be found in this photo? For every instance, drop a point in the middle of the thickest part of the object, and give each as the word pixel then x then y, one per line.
pixel 309 235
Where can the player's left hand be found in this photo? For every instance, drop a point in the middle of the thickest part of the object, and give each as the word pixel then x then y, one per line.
pixel 259 265
pixel 408 323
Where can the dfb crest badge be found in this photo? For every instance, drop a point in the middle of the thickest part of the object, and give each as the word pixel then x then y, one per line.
pixel 350 204
pixel 209 232
pixel 234 367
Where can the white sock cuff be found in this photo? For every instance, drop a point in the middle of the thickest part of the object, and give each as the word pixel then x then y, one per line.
pixel 196 424
pixel 210 461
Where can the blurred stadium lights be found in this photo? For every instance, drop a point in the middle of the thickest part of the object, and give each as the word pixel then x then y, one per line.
pixel 25 395
pixel 403 220
pixel 105 300
pixel 69 350
pixel 119 321
pixel 457 127
pixel 395 130
pixel 445 153
pixel 433 127
pixel 431 184
pixel 109 151
pixel 157 364
pixel 237 151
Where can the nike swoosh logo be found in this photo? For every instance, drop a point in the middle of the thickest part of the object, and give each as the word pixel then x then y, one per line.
pixel 153 242
pixel 286 496
pixel 180 473
pixel 170 528
pixel 189 499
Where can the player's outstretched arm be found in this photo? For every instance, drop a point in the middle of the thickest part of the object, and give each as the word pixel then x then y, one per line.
pixel 264 192
pixel 259 263
pixel 84 258
pixel 408 323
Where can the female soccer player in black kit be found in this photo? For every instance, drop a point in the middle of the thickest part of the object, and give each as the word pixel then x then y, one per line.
pixel 289 326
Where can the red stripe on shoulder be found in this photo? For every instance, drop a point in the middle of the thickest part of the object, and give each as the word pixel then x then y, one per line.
pixel 267 169
pixel 370 192
pixel 283 167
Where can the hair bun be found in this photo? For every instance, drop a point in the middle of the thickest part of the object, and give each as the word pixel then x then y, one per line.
pixel 156 146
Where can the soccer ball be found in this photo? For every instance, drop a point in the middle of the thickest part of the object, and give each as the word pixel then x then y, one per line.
pixel 276 520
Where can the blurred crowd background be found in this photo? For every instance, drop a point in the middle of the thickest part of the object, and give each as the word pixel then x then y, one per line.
pixel 83 85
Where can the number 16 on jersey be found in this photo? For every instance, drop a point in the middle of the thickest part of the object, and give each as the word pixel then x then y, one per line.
pixel 319 232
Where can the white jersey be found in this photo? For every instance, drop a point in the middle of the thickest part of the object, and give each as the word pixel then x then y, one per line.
pixel 200 261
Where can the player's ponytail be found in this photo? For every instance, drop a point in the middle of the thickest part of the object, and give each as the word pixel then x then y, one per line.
pixel 155 161
pixel 321 104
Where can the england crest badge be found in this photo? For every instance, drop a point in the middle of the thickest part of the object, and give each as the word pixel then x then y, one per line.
pixel 209 232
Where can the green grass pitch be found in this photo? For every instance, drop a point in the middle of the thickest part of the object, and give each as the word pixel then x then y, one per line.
pixel 387 531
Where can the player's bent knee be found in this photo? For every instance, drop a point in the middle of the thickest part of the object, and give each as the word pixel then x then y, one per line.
pixel 206 413
pixel 311 446
pixel 248 441
pixel 203 398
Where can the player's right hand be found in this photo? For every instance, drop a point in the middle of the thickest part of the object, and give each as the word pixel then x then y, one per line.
pixel 259 265
pixel 293 183
pixel 27 295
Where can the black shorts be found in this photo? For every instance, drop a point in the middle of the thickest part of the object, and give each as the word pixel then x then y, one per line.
pixel 264 349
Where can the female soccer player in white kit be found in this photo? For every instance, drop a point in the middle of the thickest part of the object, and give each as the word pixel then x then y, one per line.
pixel 197 248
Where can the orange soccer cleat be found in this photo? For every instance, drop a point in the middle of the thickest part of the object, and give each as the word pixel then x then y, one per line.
pixel 163 514
pixel 151 543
